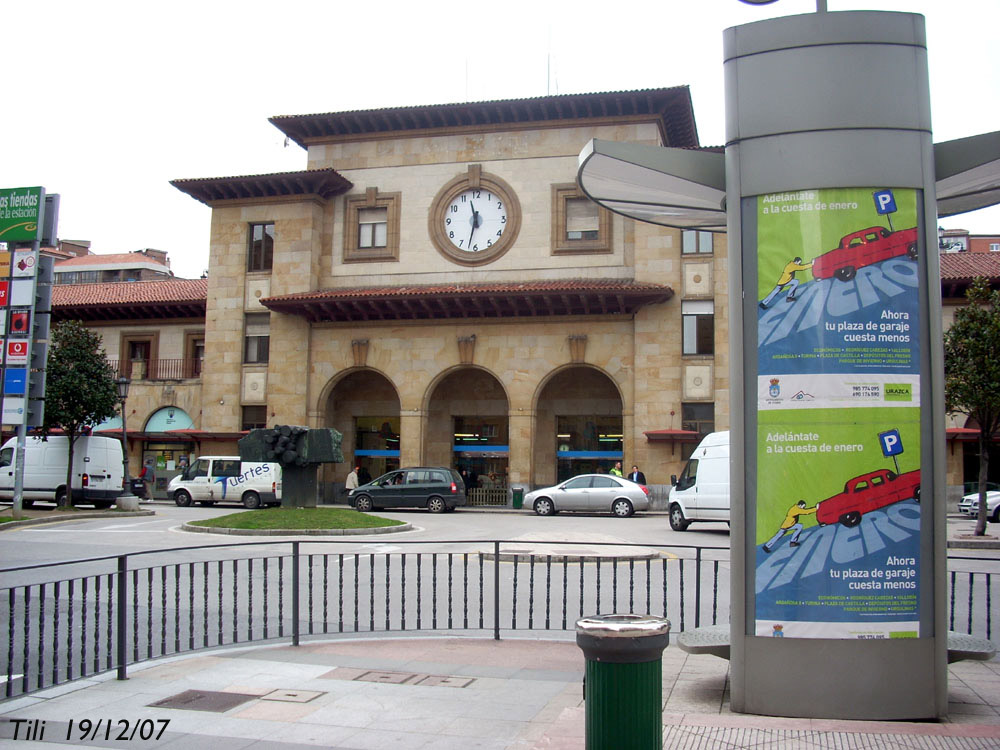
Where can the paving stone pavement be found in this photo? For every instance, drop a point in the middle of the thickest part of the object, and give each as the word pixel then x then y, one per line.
pixel 444 693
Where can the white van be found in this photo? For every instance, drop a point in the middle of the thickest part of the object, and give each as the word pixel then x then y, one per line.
pixel 98 470
pixel 226 479
pixel 702 491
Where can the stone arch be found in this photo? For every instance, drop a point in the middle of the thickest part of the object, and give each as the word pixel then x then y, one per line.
pixel 467 428
pixel 363 405
pixel 579 423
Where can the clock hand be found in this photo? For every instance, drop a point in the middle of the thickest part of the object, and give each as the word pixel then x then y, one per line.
pixel 475 216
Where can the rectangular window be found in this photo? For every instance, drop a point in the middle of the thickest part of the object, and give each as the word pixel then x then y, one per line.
pixel 254 417
pixel 698 418
pixel 995 247
pixel 578 224
pixel 260 253
pixel 698 324
pixel 582 219
pixel 372 226
pixel 694 241
pixel 256 338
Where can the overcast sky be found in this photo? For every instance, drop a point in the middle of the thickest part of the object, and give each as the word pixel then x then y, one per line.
pixel 106 102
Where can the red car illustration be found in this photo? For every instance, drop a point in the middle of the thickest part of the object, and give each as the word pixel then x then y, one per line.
pixel 860 249
pixel 866 493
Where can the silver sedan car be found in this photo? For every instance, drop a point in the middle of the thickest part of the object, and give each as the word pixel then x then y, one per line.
pixel 594 493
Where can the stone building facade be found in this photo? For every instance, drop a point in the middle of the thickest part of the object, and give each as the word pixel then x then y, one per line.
pixel 567 339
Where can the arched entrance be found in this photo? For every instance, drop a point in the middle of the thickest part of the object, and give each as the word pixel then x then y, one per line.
pixel 467 429
pixel 364 407
pixel 578 425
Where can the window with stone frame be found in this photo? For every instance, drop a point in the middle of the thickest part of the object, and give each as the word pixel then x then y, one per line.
pixel 256 338
pixel 254 417
pixel 260 246
pixel 698 327
pixel 578 224
pixel 371 226
pixel 694 242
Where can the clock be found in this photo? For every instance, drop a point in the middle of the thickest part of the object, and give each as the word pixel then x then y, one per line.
pixel 474 218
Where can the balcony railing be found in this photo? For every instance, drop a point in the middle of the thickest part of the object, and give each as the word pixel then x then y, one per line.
pixel 158 369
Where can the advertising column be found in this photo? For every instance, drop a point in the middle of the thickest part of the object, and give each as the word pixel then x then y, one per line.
pixel 838 414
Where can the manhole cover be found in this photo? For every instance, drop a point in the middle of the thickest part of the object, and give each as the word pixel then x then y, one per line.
pixel 203 700
pixel 435 680
pixel 391 678
pixel 291 696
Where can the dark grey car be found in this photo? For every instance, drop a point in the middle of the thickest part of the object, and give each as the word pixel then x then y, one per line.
pixel 436 488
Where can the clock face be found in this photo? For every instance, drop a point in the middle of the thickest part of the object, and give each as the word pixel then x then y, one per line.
pixel 475 220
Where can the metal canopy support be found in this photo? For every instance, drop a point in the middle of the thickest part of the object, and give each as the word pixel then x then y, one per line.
pixel 968 173
pixel 674 187
pixel 683 188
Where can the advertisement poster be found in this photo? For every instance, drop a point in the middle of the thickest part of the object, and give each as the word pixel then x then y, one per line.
pixel 838 406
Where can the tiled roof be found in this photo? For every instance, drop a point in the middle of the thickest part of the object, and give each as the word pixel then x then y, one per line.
pixel 966 266
pixel 325 183
pixel 135 300
pixel 479 300
pixel 114 259
pixel 670 107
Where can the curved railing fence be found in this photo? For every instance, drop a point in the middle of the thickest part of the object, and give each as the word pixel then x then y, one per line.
pixel 65 621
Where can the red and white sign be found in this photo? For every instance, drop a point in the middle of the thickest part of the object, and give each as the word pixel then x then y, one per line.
pixel 17 352
pixel 4 287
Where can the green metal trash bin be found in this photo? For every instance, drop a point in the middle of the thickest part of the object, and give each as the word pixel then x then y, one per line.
pixel 518 497
pixel 623 689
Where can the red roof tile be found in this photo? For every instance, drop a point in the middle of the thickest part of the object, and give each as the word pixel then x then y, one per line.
pixel 966 266
pixel 134 300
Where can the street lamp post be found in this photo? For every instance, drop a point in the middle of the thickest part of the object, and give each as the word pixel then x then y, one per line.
pixel 127 501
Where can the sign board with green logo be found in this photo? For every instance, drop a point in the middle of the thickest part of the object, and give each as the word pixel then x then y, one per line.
pixel 21 213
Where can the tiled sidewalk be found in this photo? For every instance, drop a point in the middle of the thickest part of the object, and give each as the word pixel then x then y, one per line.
pixel 447 694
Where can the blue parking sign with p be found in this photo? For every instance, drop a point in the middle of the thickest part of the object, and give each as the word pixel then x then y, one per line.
pixel 885 202
pixel 891 443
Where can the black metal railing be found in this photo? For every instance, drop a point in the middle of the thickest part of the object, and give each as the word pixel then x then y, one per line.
pixel 158 369
pixel 113 612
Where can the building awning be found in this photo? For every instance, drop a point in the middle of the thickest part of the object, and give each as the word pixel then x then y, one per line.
pixel 672 436
pixel 674 187
pixel 480 300
pixel 321 183
pixel 685 188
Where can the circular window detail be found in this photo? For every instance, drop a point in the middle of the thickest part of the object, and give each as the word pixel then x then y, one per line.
pixel 475 218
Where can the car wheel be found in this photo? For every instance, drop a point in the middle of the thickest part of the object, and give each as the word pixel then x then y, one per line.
pixel 911 250
pixel 544 507
pixel 845 274
pixel 363 503
pixel 60 496
pixel 851 519
pixel 251 500
pixel 182 498
pixel 995 518
pixel 677 520
pixel 436 505
pixel 622 508
pixel 916 493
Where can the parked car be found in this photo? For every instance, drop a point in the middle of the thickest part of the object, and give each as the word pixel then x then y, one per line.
pixel 968 488
pixel 866 493
pixel 227 479
pixel 969 505
pixel 596 493
pixel 860 249
pixel 436 488
pixel 702 492
pixel 97 470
